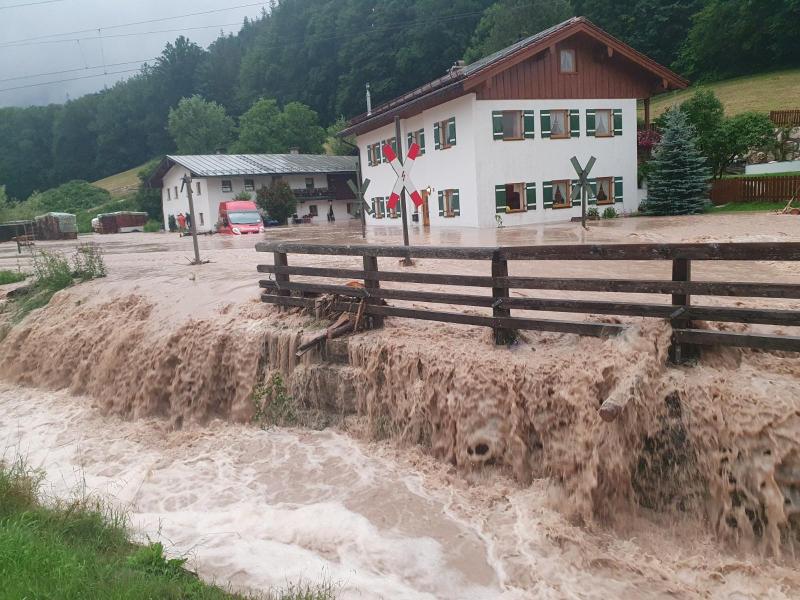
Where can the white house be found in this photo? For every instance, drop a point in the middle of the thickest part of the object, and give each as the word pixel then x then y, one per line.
pixel 319 183
pixel 497 135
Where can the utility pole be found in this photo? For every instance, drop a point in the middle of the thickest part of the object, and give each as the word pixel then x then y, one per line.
pixel 403 212
pixel 187 182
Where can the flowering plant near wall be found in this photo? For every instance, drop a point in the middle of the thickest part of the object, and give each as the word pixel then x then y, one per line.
pixel 646 140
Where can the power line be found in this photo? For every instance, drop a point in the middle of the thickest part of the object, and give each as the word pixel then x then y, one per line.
pixel 29 4
pixel 121 25
pixel 86 68
pixel 30 85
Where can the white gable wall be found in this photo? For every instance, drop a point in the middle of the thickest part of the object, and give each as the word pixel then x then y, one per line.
pixel 477 163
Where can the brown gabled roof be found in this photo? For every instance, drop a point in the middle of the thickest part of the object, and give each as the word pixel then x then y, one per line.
pixel 460 81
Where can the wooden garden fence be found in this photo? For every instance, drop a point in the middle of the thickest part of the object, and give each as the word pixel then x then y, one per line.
pixel 283 291
pixel 785 118
pixel 773 188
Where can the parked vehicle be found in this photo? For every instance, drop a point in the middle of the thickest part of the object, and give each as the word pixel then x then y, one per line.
pixel 119 222
pixel 239 217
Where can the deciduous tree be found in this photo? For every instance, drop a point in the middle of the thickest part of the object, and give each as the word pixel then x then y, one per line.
pixel 199 127
pixel 277 201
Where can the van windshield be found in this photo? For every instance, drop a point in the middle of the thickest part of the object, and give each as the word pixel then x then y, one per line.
pixel 244 217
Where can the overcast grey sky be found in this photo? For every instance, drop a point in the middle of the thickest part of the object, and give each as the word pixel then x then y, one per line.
pixel 53 51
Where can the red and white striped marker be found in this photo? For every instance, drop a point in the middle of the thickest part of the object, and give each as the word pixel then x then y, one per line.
pixel 403 179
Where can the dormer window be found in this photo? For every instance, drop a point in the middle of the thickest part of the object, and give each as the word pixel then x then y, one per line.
pixel 567 61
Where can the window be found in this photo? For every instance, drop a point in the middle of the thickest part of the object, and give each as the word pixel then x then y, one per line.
pixel 512 124
pixel 514 197
pixel 249 185
pixel 176 192
pixel 515 194
pixel 378 207
pixel 603 124
pixel 312 210
pixel 444 134
pixel 374 154
pixel 559 124
pixel 197 185
pixel 418 138
pixel 605 190
pixel 309 183
pixel 227 186
pixel 566 61
pixel 202 221
pixel 561 194
pixel 449 204
pixel 168 195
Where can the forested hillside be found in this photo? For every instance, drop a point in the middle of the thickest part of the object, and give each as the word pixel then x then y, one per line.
pixel 321 53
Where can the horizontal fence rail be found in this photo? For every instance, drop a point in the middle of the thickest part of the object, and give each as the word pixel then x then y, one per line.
pixel 772 188
pixel 681 313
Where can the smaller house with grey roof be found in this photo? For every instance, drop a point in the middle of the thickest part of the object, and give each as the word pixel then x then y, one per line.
pixel 319 183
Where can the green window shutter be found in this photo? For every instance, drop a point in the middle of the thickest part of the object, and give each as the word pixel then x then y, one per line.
pixel 399 209
pixel 393 144
pixel 409 139
pixel 382 206
pixel 500 201
pixel 591 123
pixel 547 194
pixel 441 203
pixel 370 155
pixel 380 151
pixel 374 207
pixel 455 204
pixel 451 131
pixel 617 121
pixel 497 124
pixel 618 189
pixel 593 198
pixel 575 123
pixel 575 193
pixel 530 196
pixel 545 118
pixel 529 123
pixel 421 138
pixel 437 143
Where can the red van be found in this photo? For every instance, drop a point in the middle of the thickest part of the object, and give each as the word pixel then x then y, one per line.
pixel 239 217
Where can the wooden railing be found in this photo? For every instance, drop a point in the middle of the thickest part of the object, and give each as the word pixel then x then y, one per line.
pixel 771 188
pixel 680 311
pixel 785 118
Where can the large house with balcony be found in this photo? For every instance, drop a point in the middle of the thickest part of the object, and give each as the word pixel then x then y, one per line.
pixel 319 183
pixel 497 136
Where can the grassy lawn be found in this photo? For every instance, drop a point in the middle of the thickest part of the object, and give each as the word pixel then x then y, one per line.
pixel 11 277
pixel 81 550
pixel 748 207
pixel 769 91
pixel 121 184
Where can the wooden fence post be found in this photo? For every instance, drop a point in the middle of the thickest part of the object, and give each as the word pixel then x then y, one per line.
pixel 502 336
pixel 280 259
pixel 681 353
pixel 371 264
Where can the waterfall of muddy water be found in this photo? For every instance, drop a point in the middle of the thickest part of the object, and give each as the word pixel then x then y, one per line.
pixel 260 508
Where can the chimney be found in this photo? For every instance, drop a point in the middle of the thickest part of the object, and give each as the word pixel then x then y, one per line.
pixel 294 150
pixel 369 103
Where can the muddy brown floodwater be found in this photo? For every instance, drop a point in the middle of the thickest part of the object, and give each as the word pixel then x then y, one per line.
pixel 457 469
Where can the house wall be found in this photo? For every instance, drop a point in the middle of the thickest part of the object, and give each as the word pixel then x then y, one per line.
pixel 545 159
pixel 211 195
pixel 452 168
pixel 478 162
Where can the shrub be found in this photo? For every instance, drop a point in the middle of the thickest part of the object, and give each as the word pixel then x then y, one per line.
pixel 152 226
pixel 609 213
pixel 278 201
pixel 88 262
pixel 592 213
pixel 243 196
pixel 173 223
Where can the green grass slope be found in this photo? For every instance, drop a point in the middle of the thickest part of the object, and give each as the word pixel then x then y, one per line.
pixel 779 90
pixel 121 184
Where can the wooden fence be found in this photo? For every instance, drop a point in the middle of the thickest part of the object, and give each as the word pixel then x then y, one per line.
pixel 785 118
pixel 680 311
pixel 773 188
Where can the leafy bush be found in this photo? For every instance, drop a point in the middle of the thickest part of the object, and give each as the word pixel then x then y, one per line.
pixel 152 226
pixel 609 213
pixel 72 197
pixel 592 213
pixel 278 201
pixel 89 263
pixel 243 196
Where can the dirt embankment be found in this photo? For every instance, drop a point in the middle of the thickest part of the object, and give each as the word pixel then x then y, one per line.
pixel 720 440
